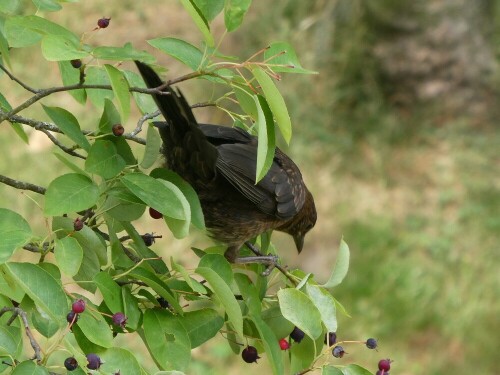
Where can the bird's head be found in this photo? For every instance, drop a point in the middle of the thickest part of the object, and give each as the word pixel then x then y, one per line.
pixel 302 223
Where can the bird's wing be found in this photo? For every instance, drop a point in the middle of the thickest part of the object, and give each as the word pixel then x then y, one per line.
pixel 280 193
pixel 218 135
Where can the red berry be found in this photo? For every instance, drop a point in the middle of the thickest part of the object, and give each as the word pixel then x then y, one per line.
pixel 77 224
pixel 297 334
pixel 284 345
pixel 77 63
pixel 94 362
pixel 103 22
pixel 250 355
pixel 119 319
pixel 118 129
pixel 155 214
pixel 78 306
pixel 70 364
pixel 72 317
pixel 384 364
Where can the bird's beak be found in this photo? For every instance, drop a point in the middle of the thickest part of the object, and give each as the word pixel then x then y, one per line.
pixel 299 241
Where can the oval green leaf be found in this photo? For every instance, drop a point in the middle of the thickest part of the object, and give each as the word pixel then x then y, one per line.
pixel 110 290
pixel 179 49
pixel 266 137
pixel 325 303
pixel 14 232
pixel 104 159
pixel 68 124
pixel 69 255
pixel 341 266
pixel 120 87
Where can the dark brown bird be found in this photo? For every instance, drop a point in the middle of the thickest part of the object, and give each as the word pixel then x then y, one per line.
pixel 220 163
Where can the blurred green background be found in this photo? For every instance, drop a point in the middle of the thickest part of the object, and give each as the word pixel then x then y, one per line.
pixel 398 139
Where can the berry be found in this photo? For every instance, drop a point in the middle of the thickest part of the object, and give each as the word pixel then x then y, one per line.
pixel 338 352
pixel 284 345
pixel 103 22
pixel 118 130
pixel 148 239
pixel 382 372
pixel 330 338
pixel 78 224
pixel 119 319
pixel 72 316
pixel 155 214
pixel 297 334
pixel 77 63
pixel 94 362
pixel 70 364
pixel 384 364
pixel 78 306
pixel 371 343
pixel 249 354
pixel 163 302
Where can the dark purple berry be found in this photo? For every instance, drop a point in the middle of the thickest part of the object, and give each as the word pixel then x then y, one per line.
pixel 103 22
pixel 382 372
pixel 155 214
pixel 371 343
pixel 384 364
pixel 119 319
pixel 250 355
pixel 284 345
pixel 163 302
pixel 297 334
pixel 94 362
pixel 78 306
pixel 330 338
pixel 78 224
pixel 77 63
pixel 70 364
pixel 118 130
pixel 72 316
pixel 338 352
pixel 148 239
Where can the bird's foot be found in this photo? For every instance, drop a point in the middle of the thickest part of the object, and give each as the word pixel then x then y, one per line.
pixel 270 260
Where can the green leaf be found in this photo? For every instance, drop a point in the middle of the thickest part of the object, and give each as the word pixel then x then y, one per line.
pixel 97 76
pixel 167 340
pixel 9 6
pixel 75 168
pixel 341 266
pixel 145 102
pixel 249 293
pixel 119 360
pixel 209 8
pixel 179 49
pixel 300 310
pixel 11 343
pixel 226 297
pixel 4 46
pixel 70 192
pixel 42 288
pixel 325 304
pixel 68 124
pixel 104 159
pixel 59 48
pixel 29 368
pixel 246 99
pixel 14 232
pixel 355 370
pixel 199 20
pixel 179 228
pixel 122 205
pixel 155 194
pixel 125 53
pixel 219 264
pixel 330 370
pixel 151 151
pixel 155 283
pixel 95 328
pixel 71 76
pixel 274 319
pixel 276 103
pixel 47 5
pixel 110 290
pixel 201 325
pixel 131 309
pixel 266 137
pixel 269 342
pixel 120 87
pixel 282 58
pixel 234 11
pixel 193 284
pixel 69 255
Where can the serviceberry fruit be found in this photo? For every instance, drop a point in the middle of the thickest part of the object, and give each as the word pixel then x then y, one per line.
pixel 118 129
pixel 163 302
pixel 119 319
pixel 72 315
pixel 297 334
pixel 77 63
pixel 250 355
pixel 330 338
pixel 384 364
pixel 284 345
pixel 148 239
pixel 94 362
pixel 103 22
pixel 338 352
pixel 155 214
pixel 78 306
pixel 78 224
pixel 70 364
pixel 371 343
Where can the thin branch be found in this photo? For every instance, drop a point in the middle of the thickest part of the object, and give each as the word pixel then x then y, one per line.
pixel 16 311
pixel 142 120
pixel 61 146
pixel 12 77
pixel 204 104
pixel 22 185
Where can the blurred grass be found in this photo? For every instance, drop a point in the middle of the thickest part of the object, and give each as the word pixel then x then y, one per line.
pixel 416 197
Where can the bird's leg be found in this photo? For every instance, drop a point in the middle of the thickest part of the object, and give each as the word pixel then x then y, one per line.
pixel 232 255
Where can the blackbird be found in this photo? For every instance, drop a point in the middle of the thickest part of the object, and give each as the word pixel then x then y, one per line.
pixel 220 164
